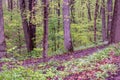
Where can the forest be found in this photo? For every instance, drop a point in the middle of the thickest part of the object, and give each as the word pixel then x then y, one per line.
pixel 59 39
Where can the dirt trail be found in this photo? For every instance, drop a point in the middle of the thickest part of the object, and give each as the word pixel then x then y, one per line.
pixel 62 57
pixel 66 56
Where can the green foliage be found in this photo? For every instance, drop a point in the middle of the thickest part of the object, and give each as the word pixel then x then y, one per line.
pixel 106 68
pixel 43 71
pixel 22 73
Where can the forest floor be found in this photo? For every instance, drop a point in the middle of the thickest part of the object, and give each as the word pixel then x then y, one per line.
pixel 73 56
pixel 66 56
pixel 62 57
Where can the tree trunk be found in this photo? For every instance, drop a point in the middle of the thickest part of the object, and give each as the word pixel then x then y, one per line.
pixel 66 22
pixel 2 35
pixel 25 24
pixel 58 13
pixel 115 28
pixel 72 3
pixel 10 6
pixel 89 11
pixel 45 35
pixel 95 18
pixel 32 26
pixel 104 34
pixel 109 17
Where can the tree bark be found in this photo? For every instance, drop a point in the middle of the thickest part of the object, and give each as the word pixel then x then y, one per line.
pixel 66 22
pixel 104 34
pixel 10 6
pixel 115 28
pixel 45 35
pixel 58 13
pixel 95 18
pixel 89 11
pixel 109 17
pixel 32 25
pixel 2 35
pixel 72 4
pixel 25 23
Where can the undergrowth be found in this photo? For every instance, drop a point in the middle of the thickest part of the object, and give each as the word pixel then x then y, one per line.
pixel 97 64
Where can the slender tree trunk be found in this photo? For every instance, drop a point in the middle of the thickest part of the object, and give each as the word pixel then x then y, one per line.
pixel 2 35
pixel 115 28
pixel 10 6
pixel 109 17
pixel 45 35
pixel 58 13
pixel 19 41
pixel 72 11
pixel 104 34
pixel 54 38
pixel 82 11
pixel 95 18
pixel 89 11
pixel 66 22
pixel 32 26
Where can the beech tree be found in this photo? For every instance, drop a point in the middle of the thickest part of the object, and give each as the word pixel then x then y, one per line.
pixel 103 14
pixel 66 23
pixel 25 23
pixel 72 4
pixel 58 14
pixel 32 26
pixel 2 35
pixel 28 27
pixel 10 6
pixel 115 28
pixel 109 17
pixel 95 18
pixel 45 27
pixel 89 11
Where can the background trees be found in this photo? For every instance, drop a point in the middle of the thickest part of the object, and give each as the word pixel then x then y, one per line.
pixel 77 23
pixel 48 36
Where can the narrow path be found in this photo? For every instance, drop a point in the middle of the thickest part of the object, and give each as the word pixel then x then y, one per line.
pixel 66 56
pixel 62 57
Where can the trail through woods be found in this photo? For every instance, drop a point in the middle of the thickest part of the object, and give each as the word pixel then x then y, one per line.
pixel 62 57
pixel 66 56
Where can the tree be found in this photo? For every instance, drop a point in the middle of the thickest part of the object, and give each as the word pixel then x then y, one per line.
pixel 115 28
pixel 89 10
pixel 10 6
pixel 95 18
pixel 45 34
pixel 28 26
pixel 72 4
pixel 66 22
pixel 25 24
pixel 103 12
pixel 32 26
pixel 58 14
pixel 2 35
pixel 109 17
